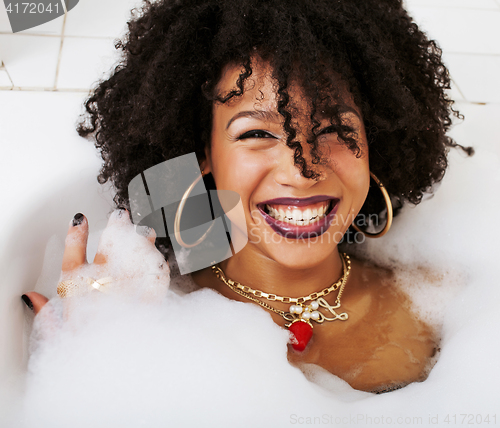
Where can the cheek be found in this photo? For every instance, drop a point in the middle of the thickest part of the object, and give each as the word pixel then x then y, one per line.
pixel 238 170
pixel 241 172
pixel 358 182
pixel 354 173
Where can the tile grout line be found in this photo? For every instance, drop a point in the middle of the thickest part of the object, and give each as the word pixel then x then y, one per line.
pixel 490 8
pixel 455 85
pixel 42 89
pixel 56 78
pixel 58 35
pixel 472 54
pixel 4 67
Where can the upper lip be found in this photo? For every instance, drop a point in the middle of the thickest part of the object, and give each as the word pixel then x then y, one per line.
pixel 299 202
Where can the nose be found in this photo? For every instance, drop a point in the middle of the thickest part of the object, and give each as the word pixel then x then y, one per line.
pixel 286 173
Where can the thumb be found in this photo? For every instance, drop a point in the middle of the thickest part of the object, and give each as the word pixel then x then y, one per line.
pixel 35 301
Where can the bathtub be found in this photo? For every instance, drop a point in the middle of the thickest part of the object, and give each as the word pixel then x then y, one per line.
pixel 48 174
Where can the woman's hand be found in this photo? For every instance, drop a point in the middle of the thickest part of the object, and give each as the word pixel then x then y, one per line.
pixel 76 271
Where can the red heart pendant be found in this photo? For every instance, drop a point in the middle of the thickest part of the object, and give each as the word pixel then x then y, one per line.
pixel 302 332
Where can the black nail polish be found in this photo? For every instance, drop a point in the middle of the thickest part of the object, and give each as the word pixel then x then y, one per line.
pixel 77 219
pixel 27 300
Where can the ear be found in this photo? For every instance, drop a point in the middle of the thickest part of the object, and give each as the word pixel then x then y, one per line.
pixel 206 164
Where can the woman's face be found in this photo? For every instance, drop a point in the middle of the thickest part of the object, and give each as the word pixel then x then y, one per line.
pixel 290 219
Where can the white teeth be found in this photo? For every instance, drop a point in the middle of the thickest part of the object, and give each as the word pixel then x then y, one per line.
pixel 296 216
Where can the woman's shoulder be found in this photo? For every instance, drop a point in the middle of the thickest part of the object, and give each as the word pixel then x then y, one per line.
pixel 398 347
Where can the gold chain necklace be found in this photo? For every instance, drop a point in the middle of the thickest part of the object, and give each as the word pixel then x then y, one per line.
pixel 300 316
pixel 274 297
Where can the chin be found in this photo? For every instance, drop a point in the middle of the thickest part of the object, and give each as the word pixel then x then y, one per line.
pixel 304 255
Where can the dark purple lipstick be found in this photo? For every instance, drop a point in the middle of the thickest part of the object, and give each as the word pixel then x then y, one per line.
pixel 293 231
pixel 298 202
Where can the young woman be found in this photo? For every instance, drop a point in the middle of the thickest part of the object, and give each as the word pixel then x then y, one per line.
pixel 294 106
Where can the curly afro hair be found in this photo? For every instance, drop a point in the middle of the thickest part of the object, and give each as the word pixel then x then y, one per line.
pixel 157 104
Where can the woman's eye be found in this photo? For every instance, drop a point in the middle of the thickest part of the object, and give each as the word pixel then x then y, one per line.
pixel 328 130
pixel 336 129
pixel 256 133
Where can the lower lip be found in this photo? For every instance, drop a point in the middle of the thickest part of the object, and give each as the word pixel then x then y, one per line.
pixel 292 231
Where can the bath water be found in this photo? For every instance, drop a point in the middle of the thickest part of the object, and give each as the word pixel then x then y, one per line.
pixel 198 359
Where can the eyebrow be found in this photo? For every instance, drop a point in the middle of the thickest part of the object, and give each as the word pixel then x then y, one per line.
pixel 347 109
pixel 264 115
pixel 272 116
pixel 340 109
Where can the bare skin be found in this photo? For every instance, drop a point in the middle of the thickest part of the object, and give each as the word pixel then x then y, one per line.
pixel 75 256
pixel 381 345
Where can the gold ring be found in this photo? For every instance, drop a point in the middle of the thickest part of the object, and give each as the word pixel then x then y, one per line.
pixel 71 288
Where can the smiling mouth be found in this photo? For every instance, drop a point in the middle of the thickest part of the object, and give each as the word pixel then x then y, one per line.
pixel 296 215
pixel 299 218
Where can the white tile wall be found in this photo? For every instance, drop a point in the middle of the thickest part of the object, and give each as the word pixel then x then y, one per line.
pixel 85 61
pixel 98 18
pixel 467 30
pixel 477 76
pixel 478 128
pixel 453 4
pixel 461 30
pixel 454 93
pixel 30 60
pixel 5 80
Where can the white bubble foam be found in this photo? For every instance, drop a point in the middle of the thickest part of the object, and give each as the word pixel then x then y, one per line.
pixel 198 359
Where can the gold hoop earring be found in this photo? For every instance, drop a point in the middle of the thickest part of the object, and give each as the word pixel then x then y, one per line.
pixel 388 204
pixel 178 214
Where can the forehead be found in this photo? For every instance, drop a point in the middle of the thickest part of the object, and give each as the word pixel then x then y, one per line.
pixel 261 89
pixel 260 82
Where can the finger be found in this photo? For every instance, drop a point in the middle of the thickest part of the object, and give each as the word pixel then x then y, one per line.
pixel 117 217
pixel 100 259
pixel 34 301
pixel 151 236
pixel 75 250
